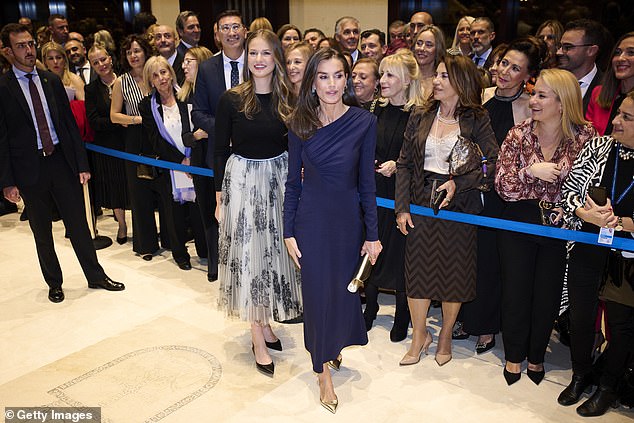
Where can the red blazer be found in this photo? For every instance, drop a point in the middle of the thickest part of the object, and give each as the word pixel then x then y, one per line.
pixel 599 116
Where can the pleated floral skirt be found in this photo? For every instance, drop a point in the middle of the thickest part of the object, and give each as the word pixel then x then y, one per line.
pixel 258 280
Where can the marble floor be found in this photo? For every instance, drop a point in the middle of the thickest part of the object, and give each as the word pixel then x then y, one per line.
pixel 160 350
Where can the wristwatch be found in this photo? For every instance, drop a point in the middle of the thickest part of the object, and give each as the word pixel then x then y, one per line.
pixel 619 224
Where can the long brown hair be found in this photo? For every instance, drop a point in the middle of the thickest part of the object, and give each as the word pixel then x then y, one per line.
pixel 282 95
pixel 611 85
pixel 304 121
pixel 465 80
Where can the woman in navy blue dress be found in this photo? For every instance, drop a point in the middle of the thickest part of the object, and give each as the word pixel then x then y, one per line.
pixel 330 216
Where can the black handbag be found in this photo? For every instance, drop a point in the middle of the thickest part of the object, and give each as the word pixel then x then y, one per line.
pixel 146 171
pixel 619 269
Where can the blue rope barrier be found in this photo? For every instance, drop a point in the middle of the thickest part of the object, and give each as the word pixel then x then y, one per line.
pixel 471 219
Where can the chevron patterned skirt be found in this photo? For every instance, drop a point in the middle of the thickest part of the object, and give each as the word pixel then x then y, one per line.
pixel 440 259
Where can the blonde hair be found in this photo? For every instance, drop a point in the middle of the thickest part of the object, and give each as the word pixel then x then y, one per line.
pixel 53 46
pixel 201 54
pixel 260 23
pixel 566 88
pixel 153 65
pixel 103 37
pixel 456 41
pixel 403 64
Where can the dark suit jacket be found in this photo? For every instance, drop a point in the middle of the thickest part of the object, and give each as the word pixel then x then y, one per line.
pixel 151 135
pixel 19 160
pixel 178 68
pixel 595 81
pixel 93 74
pixel 107 134
pixel 210 84
pixel 182 49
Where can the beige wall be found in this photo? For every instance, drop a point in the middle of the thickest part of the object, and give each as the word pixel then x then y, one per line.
pixel 324 13
pixel 165 11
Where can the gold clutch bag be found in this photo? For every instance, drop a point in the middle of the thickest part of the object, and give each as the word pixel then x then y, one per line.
pixel 361 275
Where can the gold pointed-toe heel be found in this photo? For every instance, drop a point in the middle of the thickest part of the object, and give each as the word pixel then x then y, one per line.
pixel 330 405
pixel 442 359
pixel 409 360
pixel 336 363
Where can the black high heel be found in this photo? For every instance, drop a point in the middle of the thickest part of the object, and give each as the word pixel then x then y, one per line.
pixel 335 364
pixel 277 345
pixel 536 376
pixel 511 378
pixel 267 369
pixel 122 240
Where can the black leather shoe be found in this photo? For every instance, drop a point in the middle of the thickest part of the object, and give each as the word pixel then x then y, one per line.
pixel 482 347
pixel 212 278
pixel 458 333
pixel 107 284
pixel 536 376
pixel 277 345
pixel 573 391
pixel 599 403
pixel 369 314
pixel 56 295
pixel 399 330
pixel 511 378
pixel 185 265
pixel 147 257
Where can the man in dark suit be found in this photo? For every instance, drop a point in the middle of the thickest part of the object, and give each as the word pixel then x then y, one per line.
pixel 580 46
pixel 347 33
pixel 188 29
pixel 77 61
pixel 214 77
pixel 42 157
pixel 165 42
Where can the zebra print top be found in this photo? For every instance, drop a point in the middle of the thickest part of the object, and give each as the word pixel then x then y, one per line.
pixel 586 171
pixel 132 94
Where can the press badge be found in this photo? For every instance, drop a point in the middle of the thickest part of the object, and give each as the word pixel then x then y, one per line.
pixel 606 236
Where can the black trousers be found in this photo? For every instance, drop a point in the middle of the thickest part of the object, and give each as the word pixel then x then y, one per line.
pixel 206 201
pixel 620 320
pixel 58 183
pixel 533 270
pixel 174 217
pixel 585 271
pixel 142 201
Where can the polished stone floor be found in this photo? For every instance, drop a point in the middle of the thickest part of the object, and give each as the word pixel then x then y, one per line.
pixel 161 351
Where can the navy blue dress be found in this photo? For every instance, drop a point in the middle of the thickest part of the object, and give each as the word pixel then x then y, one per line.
pixel 330 213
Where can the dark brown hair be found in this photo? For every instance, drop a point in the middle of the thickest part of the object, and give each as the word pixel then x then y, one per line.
pixel 611 85
pixel 127 44
pixel 304 120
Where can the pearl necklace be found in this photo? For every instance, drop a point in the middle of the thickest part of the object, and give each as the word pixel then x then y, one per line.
pixel 626 153
pixel 444 119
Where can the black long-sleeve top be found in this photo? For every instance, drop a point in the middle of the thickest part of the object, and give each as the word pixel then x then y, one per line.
pixel 262 137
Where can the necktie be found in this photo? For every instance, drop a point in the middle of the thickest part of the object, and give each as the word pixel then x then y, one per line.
pixel 235 76
pixel 80 71
pixel 40 117
pixel 477 60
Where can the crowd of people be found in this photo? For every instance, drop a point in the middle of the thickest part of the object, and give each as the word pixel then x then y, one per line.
pixel 303 132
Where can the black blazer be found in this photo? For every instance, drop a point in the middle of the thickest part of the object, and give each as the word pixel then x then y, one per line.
pixel 93 75
pixel 595 81
pixel 19 159
pixel 210 84
pixel 107 134
pixel 151 136
pixel 178 68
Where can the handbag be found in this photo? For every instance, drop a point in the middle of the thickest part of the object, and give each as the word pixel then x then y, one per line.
pixel 361 274
pixel 146 171
pixel 618 269
pixel 549 215
pixel 466 156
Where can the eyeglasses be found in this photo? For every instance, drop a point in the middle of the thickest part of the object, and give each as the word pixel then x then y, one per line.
pixel 228 28
pixel 567 47
pixel 188 61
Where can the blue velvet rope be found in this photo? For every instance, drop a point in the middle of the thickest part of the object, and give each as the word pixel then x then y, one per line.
pixel 472 219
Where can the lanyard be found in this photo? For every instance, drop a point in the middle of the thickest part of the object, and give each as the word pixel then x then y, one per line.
pixel 616 170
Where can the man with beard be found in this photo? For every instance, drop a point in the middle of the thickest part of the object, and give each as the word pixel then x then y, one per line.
pixel 482 35
pixel 76 53
pixel 42 157
pixel 165 42
pixel 347 33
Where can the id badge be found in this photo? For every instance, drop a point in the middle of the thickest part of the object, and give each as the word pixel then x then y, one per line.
pixel 606 236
